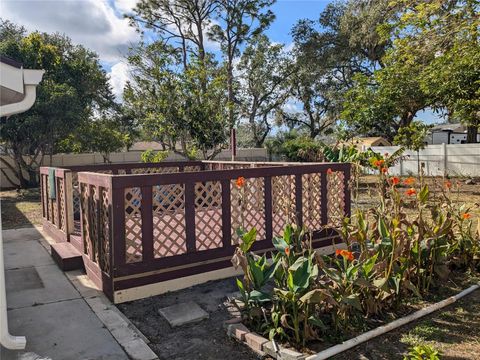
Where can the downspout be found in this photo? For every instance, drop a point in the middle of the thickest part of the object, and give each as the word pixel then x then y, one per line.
pixel 7 340
pixel 31 78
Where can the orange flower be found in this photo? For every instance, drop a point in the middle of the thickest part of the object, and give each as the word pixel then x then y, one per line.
pixel 378 163
pixel 448 184
pixel 287 251
pixel 384 170
pixel 409 181
pixel 345 254
pixel 411 192
pixel 240 181
pixel 466 216
pixel 329 171
pixel 395 180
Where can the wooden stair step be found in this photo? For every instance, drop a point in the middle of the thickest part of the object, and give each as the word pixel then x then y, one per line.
pixel 67 256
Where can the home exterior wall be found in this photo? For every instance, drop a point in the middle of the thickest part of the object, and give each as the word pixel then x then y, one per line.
pixel 59 160
pixel 438 160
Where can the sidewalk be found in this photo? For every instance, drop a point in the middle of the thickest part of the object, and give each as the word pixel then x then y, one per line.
pixel 60 315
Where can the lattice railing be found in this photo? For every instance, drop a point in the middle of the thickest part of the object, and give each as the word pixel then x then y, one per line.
pixel 169 237
pixel 248 207
pixel 159 224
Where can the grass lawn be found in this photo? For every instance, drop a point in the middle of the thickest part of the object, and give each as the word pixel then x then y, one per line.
pixel 454 331
pixel 20 208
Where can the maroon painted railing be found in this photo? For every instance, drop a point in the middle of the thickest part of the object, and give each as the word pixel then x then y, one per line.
pixel 146 228
pixel 137 224
pixel 57 213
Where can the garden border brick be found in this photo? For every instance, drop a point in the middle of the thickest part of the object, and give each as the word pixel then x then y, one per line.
pixel 257 343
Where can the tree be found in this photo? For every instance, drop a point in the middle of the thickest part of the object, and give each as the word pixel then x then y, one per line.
pixel 329 53
pixel 73 90
pixel 412 137
pixel 240 21
pixel 444 35
pixel 182 110
pixel 264 72
pixel 433 63
pixel 182 24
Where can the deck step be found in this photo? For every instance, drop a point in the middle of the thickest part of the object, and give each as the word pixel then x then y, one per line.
pixel 67 256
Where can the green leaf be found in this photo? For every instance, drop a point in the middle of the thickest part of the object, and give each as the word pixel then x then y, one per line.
pixel 382 229
pixel 423 196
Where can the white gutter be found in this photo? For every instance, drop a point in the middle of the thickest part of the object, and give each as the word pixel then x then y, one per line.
pixel 31 78
pixel 334 350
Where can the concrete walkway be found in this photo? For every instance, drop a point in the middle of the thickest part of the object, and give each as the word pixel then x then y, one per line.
pixel 60 316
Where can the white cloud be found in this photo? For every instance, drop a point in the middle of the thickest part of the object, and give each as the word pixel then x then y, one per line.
pixel 125 6
pixel 92 23
pixel 119 75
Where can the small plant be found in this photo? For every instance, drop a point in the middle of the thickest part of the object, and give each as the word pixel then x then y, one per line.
pixel 422 352
pixel 151 156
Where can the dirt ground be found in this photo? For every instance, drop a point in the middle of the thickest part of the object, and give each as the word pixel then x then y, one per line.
pixel 204 340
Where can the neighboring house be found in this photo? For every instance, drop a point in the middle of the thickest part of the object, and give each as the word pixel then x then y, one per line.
pixel 448 134
pixel 145 145
pixel 363 143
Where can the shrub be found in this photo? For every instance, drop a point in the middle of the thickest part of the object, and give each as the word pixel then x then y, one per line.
pixel 392 253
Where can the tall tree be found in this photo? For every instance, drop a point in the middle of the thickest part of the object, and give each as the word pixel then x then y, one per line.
pixel 264 73
pixel 182 24
pixel 74 89
pixel 329 53
pixel 239 21
pixel 182 110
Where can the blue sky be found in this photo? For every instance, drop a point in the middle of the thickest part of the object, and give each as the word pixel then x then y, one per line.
pixel 100 26
pixel 289 12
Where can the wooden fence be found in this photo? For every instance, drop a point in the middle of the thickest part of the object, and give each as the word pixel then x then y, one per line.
pixel 151 223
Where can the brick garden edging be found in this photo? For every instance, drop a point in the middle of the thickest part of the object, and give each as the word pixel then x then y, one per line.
pixel 259 344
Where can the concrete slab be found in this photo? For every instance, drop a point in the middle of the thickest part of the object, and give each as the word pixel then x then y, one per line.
pixel 66 330
pixel 183 313
pixel 18 254
pixel 23 279
pixel 55 287
pixel 31 233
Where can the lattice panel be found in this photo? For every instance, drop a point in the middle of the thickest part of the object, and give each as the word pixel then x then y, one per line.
pixel 93 212
pixel 84 203
pixel 248 207
pixel 169 233
pixel 336 198
pixel 191 168
pixel 133 224
pixel 283 196
pixel 311 201
pixel 208 215
pixel 54 220
pixel 106 230
pixel 156 170
pixel 76 196
pixel 62 210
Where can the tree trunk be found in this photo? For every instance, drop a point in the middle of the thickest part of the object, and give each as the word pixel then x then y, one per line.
pixel 472 134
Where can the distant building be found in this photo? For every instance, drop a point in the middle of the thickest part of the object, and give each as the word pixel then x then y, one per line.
pixel 448 134
pixel 367 142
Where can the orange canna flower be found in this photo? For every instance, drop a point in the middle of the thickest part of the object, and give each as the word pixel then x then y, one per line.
pixel 240 181
pixel 329 171
pixel 345 254
pixel 395 180
pixel 287 251
pixel 448 184
pixel 409 181
pixel 379 163
pixel 466 216
pixel 384 170
pixel 411 192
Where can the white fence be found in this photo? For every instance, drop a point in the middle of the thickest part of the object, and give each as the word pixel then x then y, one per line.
pixel 438 160
pixel 60 160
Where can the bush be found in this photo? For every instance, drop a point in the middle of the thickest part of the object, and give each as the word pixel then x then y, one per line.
pixel 390 256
